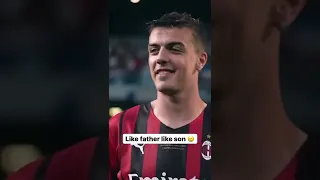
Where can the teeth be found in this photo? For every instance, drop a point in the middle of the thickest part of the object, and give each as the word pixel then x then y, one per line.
pixel 170 71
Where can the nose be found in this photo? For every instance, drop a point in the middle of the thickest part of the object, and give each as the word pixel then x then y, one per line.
pixel 162 57
pixel 162 61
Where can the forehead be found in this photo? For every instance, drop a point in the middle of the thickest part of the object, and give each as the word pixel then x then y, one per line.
pixel 163 35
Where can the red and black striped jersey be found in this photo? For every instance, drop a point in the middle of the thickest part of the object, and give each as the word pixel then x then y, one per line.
pixel 105 158
pixel 130 162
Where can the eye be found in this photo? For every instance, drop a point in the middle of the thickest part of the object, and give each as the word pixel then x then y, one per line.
pixel 153 49
pixel 176 49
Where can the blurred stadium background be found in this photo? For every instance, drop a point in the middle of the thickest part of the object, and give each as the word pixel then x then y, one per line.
pixel 53 81
pixel 53 67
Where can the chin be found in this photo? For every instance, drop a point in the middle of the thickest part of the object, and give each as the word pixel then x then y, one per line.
pixel 168 90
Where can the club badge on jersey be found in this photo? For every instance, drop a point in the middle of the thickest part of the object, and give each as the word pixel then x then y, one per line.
pixel 206 149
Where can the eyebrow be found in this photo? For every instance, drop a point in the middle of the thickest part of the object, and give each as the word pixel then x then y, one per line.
pixel 173 43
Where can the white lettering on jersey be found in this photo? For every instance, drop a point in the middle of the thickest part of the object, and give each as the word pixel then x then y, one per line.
pixel 135 177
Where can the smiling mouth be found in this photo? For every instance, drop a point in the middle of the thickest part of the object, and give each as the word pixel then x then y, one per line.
pixel 164 71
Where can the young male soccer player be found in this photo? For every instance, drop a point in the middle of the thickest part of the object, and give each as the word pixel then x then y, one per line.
pixel 176 55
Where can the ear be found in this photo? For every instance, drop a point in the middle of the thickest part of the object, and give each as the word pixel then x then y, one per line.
pixel 202 61
pixel 284 12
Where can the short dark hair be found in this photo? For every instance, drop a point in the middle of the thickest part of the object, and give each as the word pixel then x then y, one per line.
pixel 181 20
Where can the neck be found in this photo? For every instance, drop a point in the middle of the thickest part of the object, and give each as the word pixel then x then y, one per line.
pixel 247 102
pixel 179 108
pixel 243 61
pixel 246 74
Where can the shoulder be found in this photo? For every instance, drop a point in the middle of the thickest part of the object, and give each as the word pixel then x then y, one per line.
pixel 126 120
pixel 115 120
pixel 71 163
pixel 75 160
pixel 27 172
